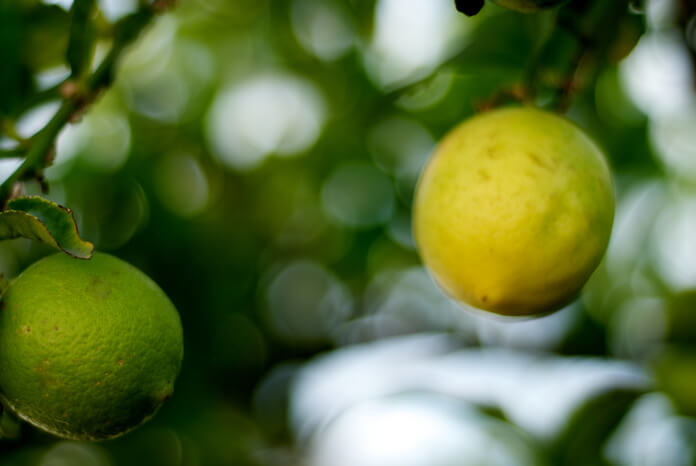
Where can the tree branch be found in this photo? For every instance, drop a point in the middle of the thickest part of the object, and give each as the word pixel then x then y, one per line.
pixel 76 97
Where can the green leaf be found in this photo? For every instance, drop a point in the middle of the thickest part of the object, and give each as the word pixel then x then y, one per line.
pixel 580 443
pixel 82 36
pixel 37 218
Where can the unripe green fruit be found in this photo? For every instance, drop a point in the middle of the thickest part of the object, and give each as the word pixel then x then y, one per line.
pixel 88 349
pixel 513 211
pixel 528 6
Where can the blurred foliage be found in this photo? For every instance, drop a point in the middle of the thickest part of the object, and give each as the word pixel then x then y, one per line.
pixel 257 159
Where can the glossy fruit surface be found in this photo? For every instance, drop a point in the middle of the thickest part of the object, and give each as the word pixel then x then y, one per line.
pixel 89 349
pixel 514 210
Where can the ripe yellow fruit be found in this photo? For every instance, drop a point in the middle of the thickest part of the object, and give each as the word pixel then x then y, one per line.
pixel 514 211
pixel 88 349
pixel 528 6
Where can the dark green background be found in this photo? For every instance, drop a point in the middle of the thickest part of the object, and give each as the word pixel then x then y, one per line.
pixel 335 215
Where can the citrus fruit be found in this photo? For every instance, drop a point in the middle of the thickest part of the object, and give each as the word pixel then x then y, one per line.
pixel 88 349
pixel 514 210
pixel 528 6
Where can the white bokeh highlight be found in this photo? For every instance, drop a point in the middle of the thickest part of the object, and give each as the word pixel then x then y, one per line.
pixel 657 75
pixel 358 195
pixel 418 431
pixel 182 185
pixel 411 37
pixel 278 114
pixel 674 247
pixel 401 146
pixel 323 28
pixel 674 140
pixel 538 392
pixel 306 303
pixel 36 118
pixel 652 434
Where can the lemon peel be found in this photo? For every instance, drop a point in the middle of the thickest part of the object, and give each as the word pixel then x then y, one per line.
pixel 514 211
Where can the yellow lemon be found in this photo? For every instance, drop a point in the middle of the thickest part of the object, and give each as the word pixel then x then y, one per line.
pixel 88 349
pixel 514 211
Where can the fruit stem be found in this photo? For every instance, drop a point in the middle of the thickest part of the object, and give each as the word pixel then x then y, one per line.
pixel 601 18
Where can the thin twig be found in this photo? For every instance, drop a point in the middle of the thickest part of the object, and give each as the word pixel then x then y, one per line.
pixel 589 51
pixel 38 153
pixel 41 97
pixel 11 153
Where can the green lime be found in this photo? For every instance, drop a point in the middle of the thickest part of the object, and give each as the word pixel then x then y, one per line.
pixel 88 349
